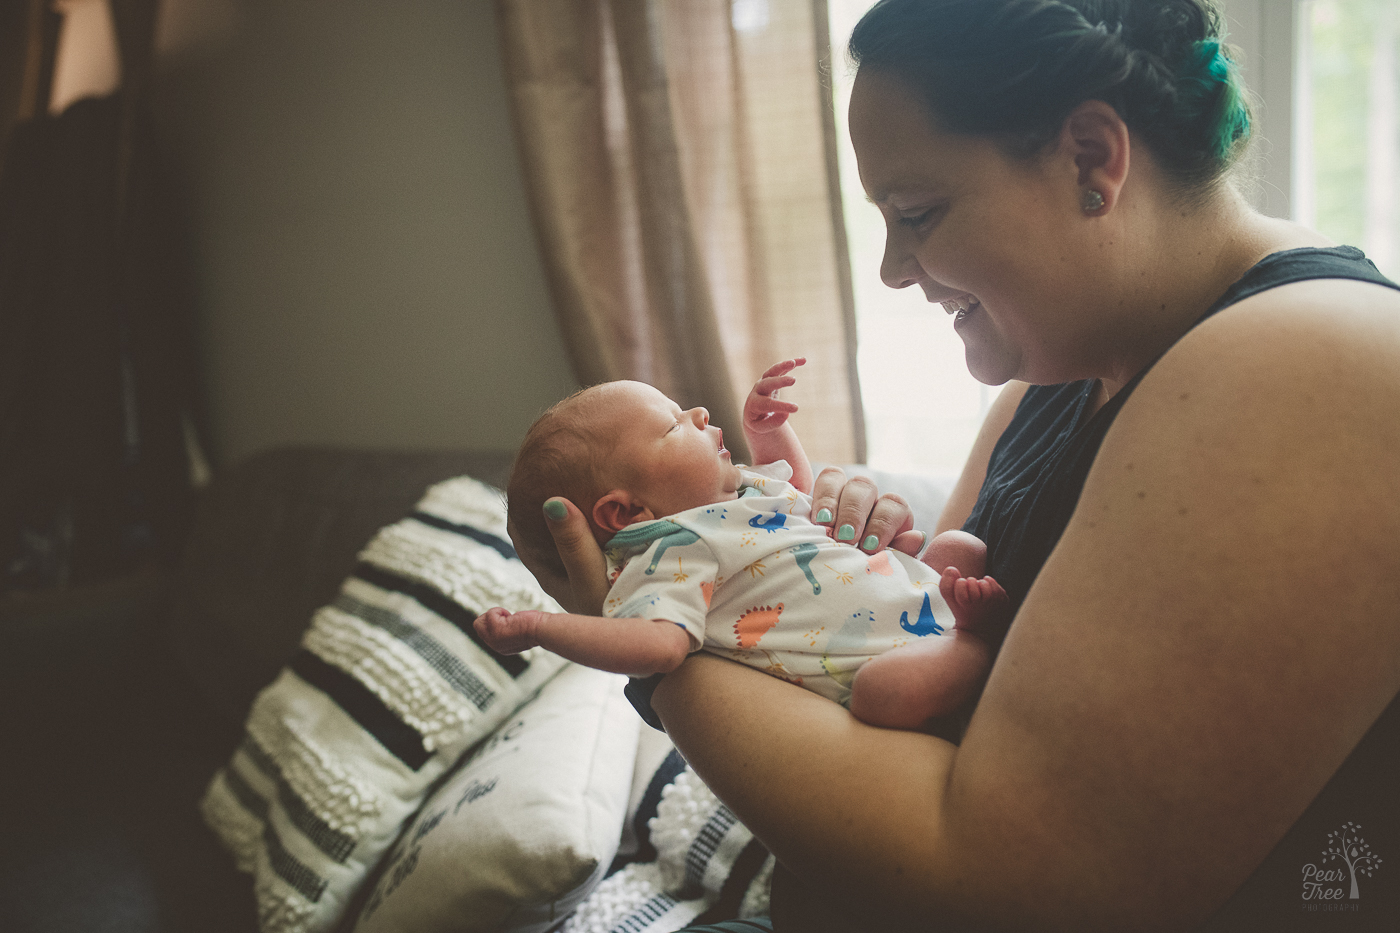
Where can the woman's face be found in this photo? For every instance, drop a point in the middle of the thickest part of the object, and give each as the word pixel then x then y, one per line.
pixel 992 239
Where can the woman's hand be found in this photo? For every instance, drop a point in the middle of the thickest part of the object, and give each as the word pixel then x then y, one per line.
pixel 855 513
pixel 585 586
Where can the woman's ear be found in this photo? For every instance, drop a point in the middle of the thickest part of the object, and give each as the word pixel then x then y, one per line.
pixel 1097 139
pixel 618 509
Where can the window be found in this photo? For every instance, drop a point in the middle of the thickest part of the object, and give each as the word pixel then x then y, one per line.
pixel 1346 169
pixel 1326 76
pixel 922 407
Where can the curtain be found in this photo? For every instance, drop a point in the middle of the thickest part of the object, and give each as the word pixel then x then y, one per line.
pixel 679 157
pixel 97 371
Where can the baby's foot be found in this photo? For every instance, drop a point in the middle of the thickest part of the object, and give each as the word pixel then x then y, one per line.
pixel 979 604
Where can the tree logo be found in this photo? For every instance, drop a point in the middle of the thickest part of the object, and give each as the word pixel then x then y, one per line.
pixel 1344 846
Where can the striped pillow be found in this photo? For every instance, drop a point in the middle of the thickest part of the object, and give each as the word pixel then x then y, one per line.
pixel 706 866
pixel 389 688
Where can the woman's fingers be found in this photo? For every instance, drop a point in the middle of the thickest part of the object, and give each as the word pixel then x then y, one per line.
pixel 826 495
pixel 583 559
pixel 913 543
pixel 889 517
pixel 855 513
pixel 857 502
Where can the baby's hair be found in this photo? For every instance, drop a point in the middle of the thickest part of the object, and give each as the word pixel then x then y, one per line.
pixel 559 457
pixel 1014 69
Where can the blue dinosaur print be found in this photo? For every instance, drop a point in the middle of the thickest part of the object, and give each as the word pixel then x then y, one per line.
pixel 678 538
pixel 926 625
pixel 714 515
pixel 667 532
pixel 851 637
pixel 769 525
pixel 803 554
pixel 637 606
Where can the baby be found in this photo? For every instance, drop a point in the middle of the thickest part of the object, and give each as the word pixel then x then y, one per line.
pixel 706 554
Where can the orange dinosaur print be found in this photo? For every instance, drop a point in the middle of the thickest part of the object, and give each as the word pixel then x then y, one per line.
pixel 708 591
pixel 755 623
pixel 880 563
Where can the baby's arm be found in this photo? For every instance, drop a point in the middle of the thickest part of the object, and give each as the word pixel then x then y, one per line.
pixel 766 426
pixel 639 647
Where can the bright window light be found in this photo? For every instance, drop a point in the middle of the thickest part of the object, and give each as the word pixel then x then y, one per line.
pixel 1347 132
pixel 922 407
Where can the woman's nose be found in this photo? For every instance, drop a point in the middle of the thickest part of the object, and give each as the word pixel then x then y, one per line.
pixel 898 267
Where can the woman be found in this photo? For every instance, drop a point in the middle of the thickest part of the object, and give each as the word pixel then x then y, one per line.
pixel 1179 713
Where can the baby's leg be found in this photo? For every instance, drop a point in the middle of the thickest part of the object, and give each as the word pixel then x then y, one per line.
pixel 978 603
pixel 957 549
pixel 934 676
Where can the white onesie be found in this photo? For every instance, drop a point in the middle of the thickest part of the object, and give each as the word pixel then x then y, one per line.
pixel 756 581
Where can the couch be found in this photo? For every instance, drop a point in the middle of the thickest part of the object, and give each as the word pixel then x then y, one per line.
pixel 121 699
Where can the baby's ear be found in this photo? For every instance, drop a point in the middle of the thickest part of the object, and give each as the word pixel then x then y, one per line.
pixel 618 509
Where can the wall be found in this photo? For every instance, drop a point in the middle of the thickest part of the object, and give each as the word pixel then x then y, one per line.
pixel 366 266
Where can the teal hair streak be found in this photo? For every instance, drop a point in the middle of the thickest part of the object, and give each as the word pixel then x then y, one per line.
pixel 1207 67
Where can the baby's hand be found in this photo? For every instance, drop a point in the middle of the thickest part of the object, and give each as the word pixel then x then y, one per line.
pixel 762 410
pixel 508 632
pixel 979 604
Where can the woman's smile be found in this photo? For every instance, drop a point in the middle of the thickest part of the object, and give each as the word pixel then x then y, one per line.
pixel 961 309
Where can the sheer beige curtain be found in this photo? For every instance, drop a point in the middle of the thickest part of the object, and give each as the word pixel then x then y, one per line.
pixel 680 162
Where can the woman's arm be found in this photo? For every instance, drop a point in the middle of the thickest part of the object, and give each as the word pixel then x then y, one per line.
pixel 1211 637
pixel 969 484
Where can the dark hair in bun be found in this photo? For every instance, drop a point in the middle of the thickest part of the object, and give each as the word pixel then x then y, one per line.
pixel 1014 69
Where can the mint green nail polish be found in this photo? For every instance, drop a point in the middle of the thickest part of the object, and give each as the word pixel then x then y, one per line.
pixel 823 516
pixel 845 533
pixel 870 543
pixel 554 510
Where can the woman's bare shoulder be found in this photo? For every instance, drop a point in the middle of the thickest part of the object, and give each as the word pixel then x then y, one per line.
pixel 1216 628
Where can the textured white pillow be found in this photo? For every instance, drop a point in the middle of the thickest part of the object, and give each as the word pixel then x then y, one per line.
pixel 526 828
pixel 708 867
pixel 390 687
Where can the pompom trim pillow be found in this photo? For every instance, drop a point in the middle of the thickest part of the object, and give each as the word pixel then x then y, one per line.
pixel 389 688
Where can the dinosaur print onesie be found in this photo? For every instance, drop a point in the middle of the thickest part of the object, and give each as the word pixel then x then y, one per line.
pixel 756 581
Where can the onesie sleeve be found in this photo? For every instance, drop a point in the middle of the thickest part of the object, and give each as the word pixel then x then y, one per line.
pixel 673 579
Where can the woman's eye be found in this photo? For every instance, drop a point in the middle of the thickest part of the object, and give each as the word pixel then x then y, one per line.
pixel 915 221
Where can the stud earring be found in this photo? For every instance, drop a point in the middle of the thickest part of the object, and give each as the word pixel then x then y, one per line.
pixel 1093 200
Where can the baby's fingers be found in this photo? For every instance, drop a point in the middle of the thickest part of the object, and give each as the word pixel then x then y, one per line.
pixel 768 385
pixel 762 405
pixel 786 366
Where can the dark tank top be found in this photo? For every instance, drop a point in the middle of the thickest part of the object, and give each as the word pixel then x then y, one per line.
pixel 1034 478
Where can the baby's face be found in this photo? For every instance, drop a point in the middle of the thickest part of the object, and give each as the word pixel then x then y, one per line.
pixel 671 460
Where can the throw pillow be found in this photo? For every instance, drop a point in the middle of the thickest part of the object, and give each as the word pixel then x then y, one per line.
pixel 526 828
pixel 708 867
pixel 390 686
